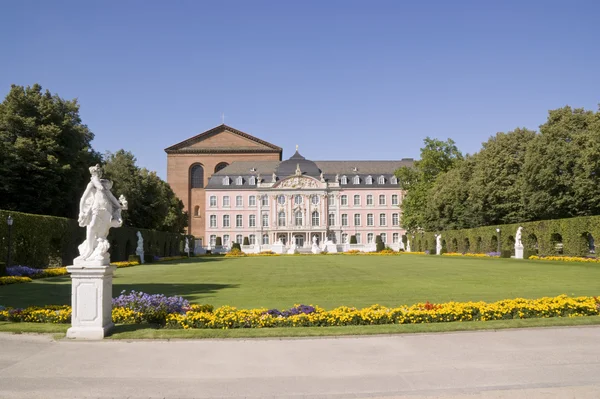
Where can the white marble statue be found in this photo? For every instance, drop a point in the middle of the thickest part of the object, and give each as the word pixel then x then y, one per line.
pixel 273 178
pixel 186 249
pixel 519 243
pixel 99 210
pixel 337 178
pixel 139 251
pixel 438 244
pixel 407 245
pixel 322 178
pixel 315 247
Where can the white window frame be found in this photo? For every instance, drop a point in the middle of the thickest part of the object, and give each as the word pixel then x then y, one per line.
pixel 394 180
pixel 252 200
pixel 213 221
pixel 252 181
pixel 382 196
pixel 369 180
pixel 395 199
pixel 369 199
pixel 298 219
pixel 344 219
pixel 344 180
pixel 357 217
pixel 239 239
pixel 265 239
pixel 370 238
pixel 356 200
pixel 226 240
pixel 239 221
pixel 239 201
pixel 226 181
pixel 226 201
pixel 252 239
pixel 316 220
pixel 281 219
pixel 331 219
pixel 265 220
pixel 213 240
pixel 395 238
pixel 226 221
pixel 395 219
pixel 358 238
pixel 370 219
pixel 381 180
pixel 344 200
pixel 264 200
pixel 383 237
pixel 239 181
pixel 382 219
pixel 356 180
pixel 212 200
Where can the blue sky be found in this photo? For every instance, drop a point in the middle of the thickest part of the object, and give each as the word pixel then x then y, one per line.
pixel 342 79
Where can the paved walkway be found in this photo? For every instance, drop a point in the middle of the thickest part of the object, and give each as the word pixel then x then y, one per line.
pixel 532 363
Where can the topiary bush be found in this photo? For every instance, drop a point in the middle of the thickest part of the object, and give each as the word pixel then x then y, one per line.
pixel 352 239
pixel 506 253
pixel 379 245
pixel 236 245
pixel 246 241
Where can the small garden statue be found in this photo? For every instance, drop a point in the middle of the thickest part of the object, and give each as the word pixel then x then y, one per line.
pixel 438 244
pixel 99 210
pixel 187 246
pixel 519 243
pixel 407 245
pixel 139 251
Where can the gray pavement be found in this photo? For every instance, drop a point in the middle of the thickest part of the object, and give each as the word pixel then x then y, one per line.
pixel 531 363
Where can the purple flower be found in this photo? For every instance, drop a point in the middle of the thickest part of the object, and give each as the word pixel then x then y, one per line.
pixel 22 271
pixel 300 309
pixel 154 308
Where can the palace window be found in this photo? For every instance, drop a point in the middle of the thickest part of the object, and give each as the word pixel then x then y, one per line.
pixel 226 240
pixel 356 180
pixel 197 176
pixel 369 219
pixel 297 199
pixel 252 181
pixel 226 201
pixel 238 200
pixel 213 240
pixel 330 200
pixel 370 199
pixel 382 221
pixel 239 239
pixel 344 219
pixel 395 238
pixel 213 221
pixel 315 218
pixel 357 219
pixel 394 180
pixel 252 200
pixel 358 238
pixel 265 220
pixel 213 200
pixel 344 238
pixel 331 220
pixel 221 166
pixel 252 221
pixel 298 218
pixel 238 221
pixel 225 220
pixel 382 199
pixel 264 200
pixel 369 180
pixel 281 219
pixel 395 219
pixel 315 199
pixel 381 180
pixel 357 200
pixel 196 211
pixel 281 199
pixel 252 239
pixel 226 181
pixel 265 239
pixel 344 180
pixel 239 181
pixel 383 237
pixel 370 238
pixel 344 200
pixel 395 199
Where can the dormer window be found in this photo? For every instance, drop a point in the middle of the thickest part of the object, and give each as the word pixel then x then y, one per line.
pixel 344 180
pixel 226 181
pixel 369 180
pixel 356 180
pixel 252 181
pixel 381 180
pixel 394 180
pixel 239 181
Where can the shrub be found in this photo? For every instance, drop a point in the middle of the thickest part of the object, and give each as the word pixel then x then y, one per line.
pixel 379 245
pixel 235 252
pixel 5 280
pixel 505 253
pixel 148 257
pixel 352 239
pixel 246 241
pixel 236 245
pixel 134 258
pixel 218 242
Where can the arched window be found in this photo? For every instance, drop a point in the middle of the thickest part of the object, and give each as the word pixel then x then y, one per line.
pixel 221 166
pixel 226 181
pixel 298 217
pixel 281 219
pixel 356 180
pixel 315 218
pixel 381 180
pixel 344 180
pixel 369 180
pixel 394 180
pixel 252 181
pixel 252 239
pixel 265 239
pixel 239 180
pixel 196 211
pixel 197 176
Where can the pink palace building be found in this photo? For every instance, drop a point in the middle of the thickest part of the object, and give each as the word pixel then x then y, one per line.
pixel 298 201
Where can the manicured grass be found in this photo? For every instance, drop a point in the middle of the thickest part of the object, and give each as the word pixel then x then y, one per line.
pixel 330 281
pixel 145 332
pixel 41 328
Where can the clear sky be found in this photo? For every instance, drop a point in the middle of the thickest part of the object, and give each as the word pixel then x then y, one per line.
pixel 342 79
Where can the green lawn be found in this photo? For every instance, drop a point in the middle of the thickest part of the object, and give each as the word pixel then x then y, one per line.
pixel 331 281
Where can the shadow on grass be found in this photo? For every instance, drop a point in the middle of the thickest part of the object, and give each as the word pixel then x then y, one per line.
pixel 128 328
pixel 55 293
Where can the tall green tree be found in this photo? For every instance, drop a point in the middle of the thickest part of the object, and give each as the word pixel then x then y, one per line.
pixel 437 157
pixel 45 152
pixel 152 202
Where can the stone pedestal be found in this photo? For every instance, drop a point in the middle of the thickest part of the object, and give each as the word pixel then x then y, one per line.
pixel 91 299
pixel 315 249
pixel 330 247
pixel 518 252
pixel 278 248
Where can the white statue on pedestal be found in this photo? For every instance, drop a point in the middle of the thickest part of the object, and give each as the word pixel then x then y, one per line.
pixel 407 245
pixel 315 247
pixel 438 244
pixel 99 210
pixel 139 251
pixel 519 243
pixel 187 246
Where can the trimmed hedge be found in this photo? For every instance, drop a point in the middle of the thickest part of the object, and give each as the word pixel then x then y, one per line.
pixel 40 241
pixel 352 239
pixel 569 237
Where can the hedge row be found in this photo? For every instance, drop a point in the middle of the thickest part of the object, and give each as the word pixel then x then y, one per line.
pixel 571 237
pixel 40 241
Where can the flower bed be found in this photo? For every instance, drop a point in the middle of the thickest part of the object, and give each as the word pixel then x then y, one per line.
pixel 488 255
pixel 565 259
pixel 175 312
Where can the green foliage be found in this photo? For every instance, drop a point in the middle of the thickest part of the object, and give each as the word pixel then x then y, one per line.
pixel 246 241
pixel 218 242
pixel 152 203
pixel 45 152
pixel 236 245
pixel 506 253
pixel 39 241
pixel 352 239
pixel 134 258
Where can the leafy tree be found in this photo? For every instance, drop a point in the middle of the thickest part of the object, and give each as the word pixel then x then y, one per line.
pixel 45 152
pixel 437 157
pixel 152 203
